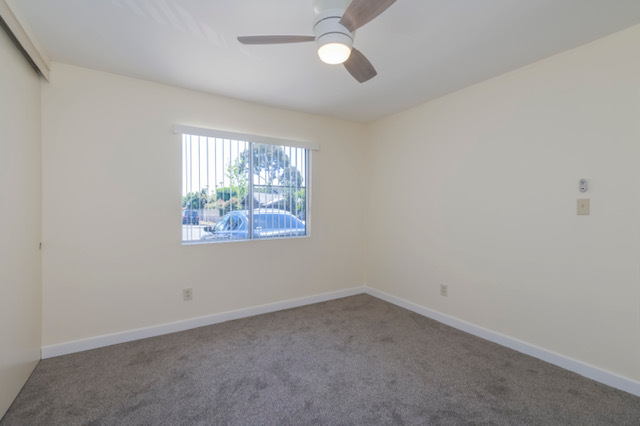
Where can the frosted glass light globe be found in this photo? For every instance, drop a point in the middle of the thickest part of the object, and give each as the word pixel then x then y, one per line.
pixel 334 53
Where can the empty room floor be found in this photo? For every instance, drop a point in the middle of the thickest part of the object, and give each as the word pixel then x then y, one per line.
pixel 357 360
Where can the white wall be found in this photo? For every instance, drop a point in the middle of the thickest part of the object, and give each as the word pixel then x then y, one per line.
pixel 20 221
pixel 478 189
pixel 112 180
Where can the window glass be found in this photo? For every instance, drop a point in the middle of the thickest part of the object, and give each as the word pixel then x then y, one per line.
pixel 227 182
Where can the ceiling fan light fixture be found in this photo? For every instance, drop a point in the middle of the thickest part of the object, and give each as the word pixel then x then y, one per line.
pixel 334 40
pixel 334 53
pixel 334 25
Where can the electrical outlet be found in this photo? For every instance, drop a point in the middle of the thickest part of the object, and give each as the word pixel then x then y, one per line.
pixel 187 294
pixel 444 290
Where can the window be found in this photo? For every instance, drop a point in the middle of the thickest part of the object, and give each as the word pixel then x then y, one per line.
pixel 231 180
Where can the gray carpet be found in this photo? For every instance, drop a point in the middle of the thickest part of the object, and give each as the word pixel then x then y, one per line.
pixel 357 360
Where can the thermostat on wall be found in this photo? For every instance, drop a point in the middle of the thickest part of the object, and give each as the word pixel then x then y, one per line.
pixel 582 185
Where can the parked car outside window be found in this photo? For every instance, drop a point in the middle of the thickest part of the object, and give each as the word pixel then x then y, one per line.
pixel 190 217
pixel 267 223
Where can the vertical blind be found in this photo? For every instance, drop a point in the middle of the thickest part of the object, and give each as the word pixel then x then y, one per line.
pixel 239 187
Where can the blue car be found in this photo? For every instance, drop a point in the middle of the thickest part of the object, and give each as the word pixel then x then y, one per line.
pixel 190 217
pixel 267 223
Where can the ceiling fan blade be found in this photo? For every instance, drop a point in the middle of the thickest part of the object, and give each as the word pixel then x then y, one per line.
pixel 360 12
pixel 275 39
pixel 359 66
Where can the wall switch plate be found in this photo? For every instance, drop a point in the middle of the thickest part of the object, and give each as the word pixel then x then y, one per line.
pixel 187 294
pixel 444 290
pixel 584 206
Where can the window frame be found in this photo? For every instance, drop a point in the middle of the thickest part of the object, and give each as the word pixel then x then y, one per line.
pixel 251 139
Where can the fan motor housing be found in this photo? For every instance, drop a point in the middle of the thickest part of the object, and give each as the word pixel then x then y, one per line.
pixel 327 24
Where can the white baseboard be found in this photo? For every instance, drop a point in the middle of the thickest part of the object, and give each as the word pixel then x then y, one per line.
pixel 157 330
pixel 586 370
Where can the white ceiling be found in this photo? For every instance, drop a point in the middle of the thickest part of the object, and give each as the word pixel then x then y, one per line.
pixel 422 49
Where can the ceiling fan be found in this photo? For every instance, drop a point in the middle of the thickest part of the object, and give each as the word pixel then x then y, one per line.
pixel 334 26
